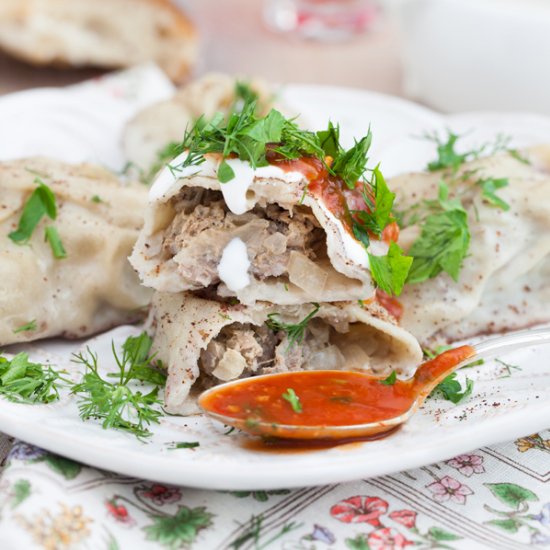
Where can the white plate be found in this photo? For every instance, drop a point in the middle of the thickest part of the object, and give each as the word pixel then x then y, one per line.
pixel 502 407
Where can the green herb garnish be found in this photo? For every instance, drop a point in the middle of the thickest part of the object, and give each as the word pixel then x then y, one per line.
pixel 390 380
pixel 508 368
pixel 449 158
pixel 27 327
pixel 117 404
pixel 443 242
pixel 489 187
pixel 390 272
pixel 97 199
pixel 293 399
pixel 295 332
pixel 24 382
pixel 41 203
pixel 51 235
pixel 184 445
pixel 452 390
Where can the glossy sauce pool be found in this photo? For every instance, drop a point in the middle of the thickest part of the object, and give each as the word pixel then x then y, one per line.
pixel 326 398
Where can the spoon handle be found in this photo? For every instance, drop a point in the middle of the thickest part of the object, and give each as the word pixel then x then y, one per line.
pixel 429 374
pixel 512 341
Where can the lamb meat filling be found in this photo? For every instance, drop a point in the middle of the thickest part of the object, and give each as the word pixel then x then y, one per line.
pixel 242 350
pixel 203 226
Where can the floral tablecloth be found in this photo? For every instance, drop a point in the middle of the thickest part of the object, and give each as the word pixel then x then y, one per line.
pixel 497 497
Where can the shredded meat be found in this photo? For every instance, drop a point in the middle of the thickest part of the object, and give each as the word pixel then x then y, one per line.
pixel 264 351
pixel 203 226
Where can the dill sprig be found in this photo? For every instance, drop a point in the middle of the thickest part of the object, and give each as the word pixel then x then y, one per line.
pixel 449 158
pixel 295 332
pixel 119 405
pixel 22 381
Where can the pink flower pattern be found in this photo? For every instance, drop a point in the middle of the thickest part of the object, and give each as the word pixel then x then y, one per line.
pixel 467 464
pixel 387 539
pixel 160 494
pixel 406 518
pixel 119 512
pixel 448 488
pixel 360 509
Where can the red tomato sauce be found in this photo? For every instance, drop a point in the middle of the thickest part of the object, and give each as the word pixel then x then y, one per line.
pixel 391 304
pixel 326 398
pixel 331 190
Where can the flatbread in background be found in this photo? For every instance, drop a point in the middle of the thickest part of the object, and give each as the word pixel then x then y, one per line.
pixel 94 288
pixel 165 122
pixel 206 342
pixel 504 283
pixel 99 33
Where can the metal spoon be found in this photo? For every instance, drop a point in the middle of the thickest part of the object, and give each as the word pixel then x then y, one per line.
pixel 426 378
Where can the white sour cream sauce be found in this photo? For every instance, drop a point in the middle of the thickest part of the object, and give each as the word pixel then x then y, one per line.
pixel 235 196
pixel 234 191
pixel 234 264
pixel 355 251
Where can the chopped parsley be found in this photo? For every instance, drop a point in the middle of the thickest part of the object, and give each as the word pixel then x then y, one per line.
pixel 51 235
pixel 119 405
pixel 489 187
pixel 293 399
pixel 451 388
pixel 97 199
pixel 27 327
pixel 379 212
pixel 443 241
pixel 449 159
pixel 390 380
pixel 295 332
pixel 184 445
pixel 41 203
pixel 390 272
pixel 22 381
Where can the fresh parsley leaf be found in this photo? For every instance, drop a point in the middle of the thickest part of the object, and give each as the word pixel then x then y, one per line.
pixel 489 187
pixel 24 382
pixel 51 235
pixel 360 230
pixel 225 172
pixel 119 405
pixel 383 200
pixel 350 165
pixel 447 157
pixel 184 445
pixel 443 241
pixel 41 203
pixel 295 332
pixel 329 140
pixel 452 390
pixel 27 327
pixel 293 399
pixel 390 272
pixel 379 211
pixel 390 380
pixel 97 199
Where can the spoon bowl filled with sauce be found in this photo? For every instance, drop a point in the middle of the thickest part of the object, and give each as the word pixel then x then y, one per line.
pixel 342 405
